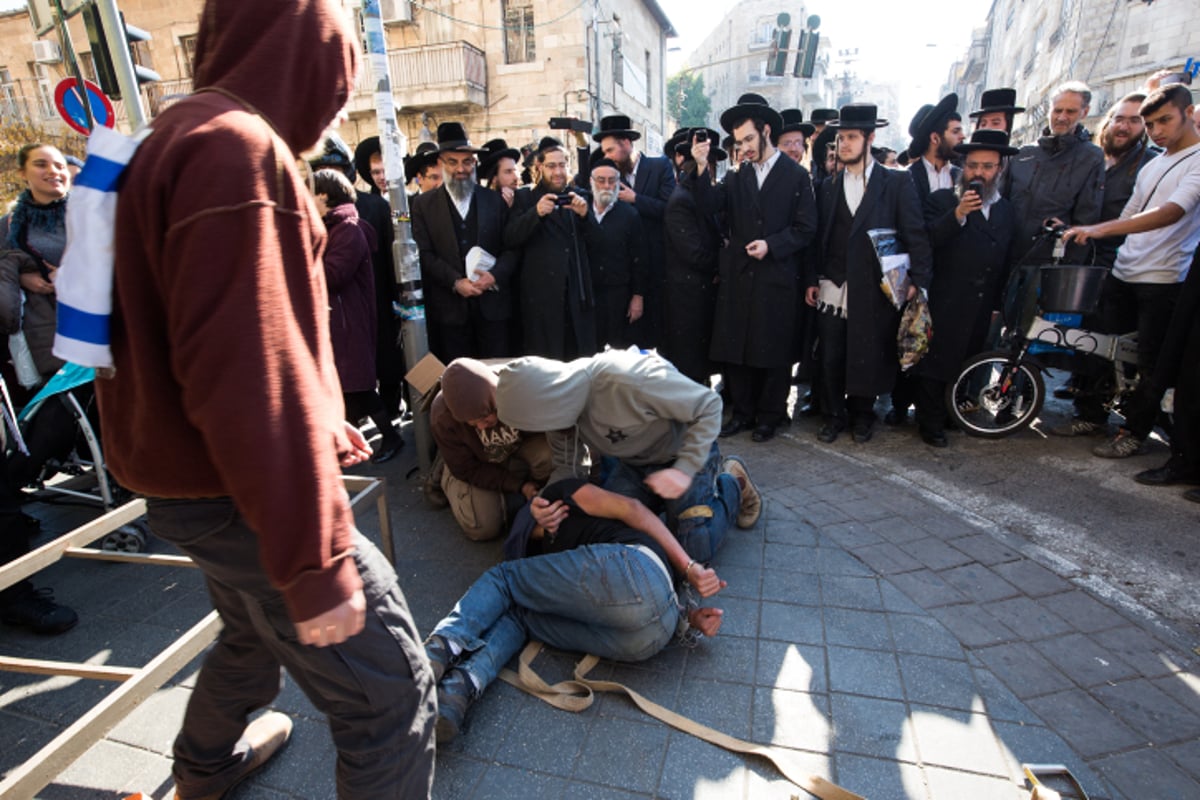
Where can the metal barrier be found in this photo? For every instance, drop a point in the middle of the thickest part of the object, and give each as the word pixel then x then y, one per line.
pixel 137 683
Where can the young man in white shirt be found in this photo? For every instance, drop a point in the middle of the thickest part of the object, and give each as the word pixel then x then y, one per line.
pixel 1162 224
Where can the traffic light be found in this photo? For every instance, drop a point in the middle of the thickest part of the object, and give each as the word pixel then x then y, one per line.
pixel 806 54
pixel 781 37
pixel 106 73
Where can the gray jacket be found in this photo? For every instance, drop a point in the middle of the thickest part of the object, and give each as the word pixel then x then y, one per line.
pixel 621 403
pixel 1060 176
pixel 40 312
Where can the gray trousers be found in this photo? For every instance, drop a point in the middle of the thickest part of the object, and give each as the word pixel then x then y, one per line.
pixel 376 689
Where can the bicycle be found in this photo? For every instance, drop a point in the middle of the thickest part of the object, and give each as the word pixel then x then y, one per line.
pixel 1000 392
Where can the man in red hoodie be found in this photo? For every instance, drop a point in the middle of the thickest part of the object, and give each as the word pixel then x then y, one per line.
pixel 220 339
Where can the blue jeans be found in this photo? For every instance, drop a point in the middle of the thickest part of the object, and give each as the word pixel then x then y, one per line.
pixel 711 502
pixel 611 600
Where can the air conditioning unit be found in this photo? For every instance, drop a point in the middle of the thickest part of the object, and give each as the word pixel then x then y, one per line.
pixel 46 52
pixel 396 12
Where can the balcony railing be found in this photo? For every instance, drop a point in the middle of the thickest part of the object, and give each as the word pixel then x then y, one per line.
pixel 430 76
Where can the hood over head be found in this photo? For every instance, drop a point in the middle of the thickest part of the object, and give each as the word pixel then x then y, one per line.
pixel 540 394
pixel 469 389
pixel 306 47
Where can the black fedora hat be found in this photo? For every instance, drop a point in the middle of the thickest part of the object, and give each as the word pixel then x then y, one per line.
pixel 822 142
pixel 678 136
pixel 362 158
pixel 987 139
pixel 993 100
pixel 822 116
pixel 493 151
pixel 752 106
pixel 616 125
pixel 684 147
pixel 932 121
pixel 793 120
pixel 916 120
pixel 426 154
pixel 452 138
pixel 546 143
pixel 858 116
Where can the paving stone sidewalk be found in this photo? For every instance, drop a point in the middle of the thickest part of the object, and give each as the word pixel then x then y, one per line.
pixel 893 643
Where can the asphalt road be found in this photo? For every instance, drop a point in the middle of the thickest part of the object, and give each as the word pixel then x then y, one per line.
pixel 1127 541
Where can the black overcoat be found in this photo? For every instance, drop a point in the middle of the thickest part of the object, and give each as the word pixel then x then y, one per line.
pixel 693 242
pixel 971 263
pixel 435 231
pixel 755 318
pixel 555 280
pixel 890 201
pixel 920 178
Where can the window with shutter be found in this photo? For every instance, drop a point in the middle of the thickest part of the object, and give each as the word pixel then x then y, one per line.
pixel 519 41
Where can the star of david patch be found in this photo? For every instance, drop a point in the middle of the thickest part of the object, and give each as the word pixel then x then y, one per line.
pixel 615 435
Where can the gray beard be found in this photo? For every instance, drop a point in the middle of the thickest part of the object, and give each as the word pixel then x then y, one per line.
pixel 461 190
pixel 605 197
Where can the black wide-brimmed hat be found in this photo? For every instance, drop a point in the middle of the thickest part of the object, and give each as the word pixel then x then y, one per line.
pixel 452 138
pixel 793 120
pixel 993 100
pixel 916 120
pixel 716 153
pixel 425 155
pixel 822 116
pixel 335 155
pixel 932 121
pixel 987 139
pixel 493 151
pixel 822 142
pixel 678 136
pixel 362 158
pixel 752 106
pixel 858 116
pixel 616 125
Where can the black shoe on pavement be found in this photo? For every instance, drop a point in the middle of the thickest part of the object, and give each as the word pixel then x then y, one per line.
pixel 37 611
pixel 830 430
pixel 389 448
pixel 455 695
pixel 934 438
pixel 763 433
pixel 1168 474
pixel 735 426
pixel 863 431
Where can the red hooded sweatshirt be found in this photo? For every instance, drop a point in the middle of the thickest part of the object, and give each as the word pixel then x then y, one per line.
pixel 225 383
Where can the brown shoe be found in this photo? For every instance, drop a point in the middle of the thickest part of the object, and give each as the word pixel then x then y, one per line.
pixel 751 503
pixel 264 736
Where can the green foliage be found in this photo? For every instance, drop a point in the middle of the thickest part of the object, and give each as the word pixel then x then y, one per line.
pixel 686 100
pixel 16 134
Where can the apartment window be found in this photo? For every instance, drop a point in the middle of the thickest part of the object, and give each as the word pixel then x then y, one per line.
pixel 8 93
pixel 45 95
pixel 760 36
pixel 87 65
pixel 187 44
pixel 518 31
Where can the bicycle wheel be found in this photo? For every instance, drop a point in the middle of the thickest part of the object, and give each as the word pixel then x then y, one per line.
pixel 994 396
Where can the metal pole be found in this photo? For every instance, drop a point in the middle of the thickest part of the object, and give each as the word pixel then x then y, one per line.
pixel 122 62
pixel 411 303
pixel 68 46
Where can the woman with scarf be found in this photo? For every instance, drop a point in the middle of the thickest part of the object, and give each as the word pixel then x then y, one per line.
pixel 34 236
pixel 32 240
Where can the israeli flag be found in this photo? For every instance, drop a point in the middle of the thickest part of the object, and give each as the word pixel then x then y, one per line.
pixel 84 284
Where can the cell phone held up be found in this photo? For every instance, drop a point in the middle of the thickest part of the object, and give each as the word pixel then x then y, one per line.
pixel 701 136
pixel 562 200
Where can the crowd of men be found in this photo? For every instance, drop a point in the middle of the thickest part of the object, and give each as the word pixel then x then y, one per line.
pixel 768 275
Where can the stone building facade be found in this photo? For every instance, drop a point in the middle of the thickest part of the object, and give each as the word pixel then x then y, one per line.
pixel 1113 47
pixel 733 60
pixel 502 68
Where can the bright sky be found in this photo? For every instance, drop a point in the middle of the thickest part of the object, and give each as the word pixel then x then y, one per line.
pixel 913 43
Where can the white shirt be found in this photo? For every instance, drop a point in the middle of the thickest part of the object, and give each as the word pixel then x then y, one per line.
pixel 635 158
pixel 855 187
pixel 1163 255
pixel 763 168
pixel 601 213
pixel 938 179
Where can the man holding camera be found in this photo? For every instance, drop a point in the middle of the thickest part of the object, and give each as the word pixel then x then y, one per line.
pixel 547 221
pixel 971 230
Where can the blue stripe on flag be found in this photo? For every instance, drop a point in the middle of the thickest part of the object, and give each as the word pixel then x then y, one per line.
pixel 100 174
pixel 82 325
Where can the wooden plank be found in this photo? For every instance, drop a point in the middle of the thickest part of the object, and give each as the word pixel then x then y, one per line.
pixel 366 488
pixel 95 554
pixel 41 769
pixel 37 560
pixel 40 666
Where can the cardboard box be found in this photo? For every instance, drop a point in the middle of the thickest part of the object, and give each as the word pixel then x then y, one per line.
pixel 425 374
